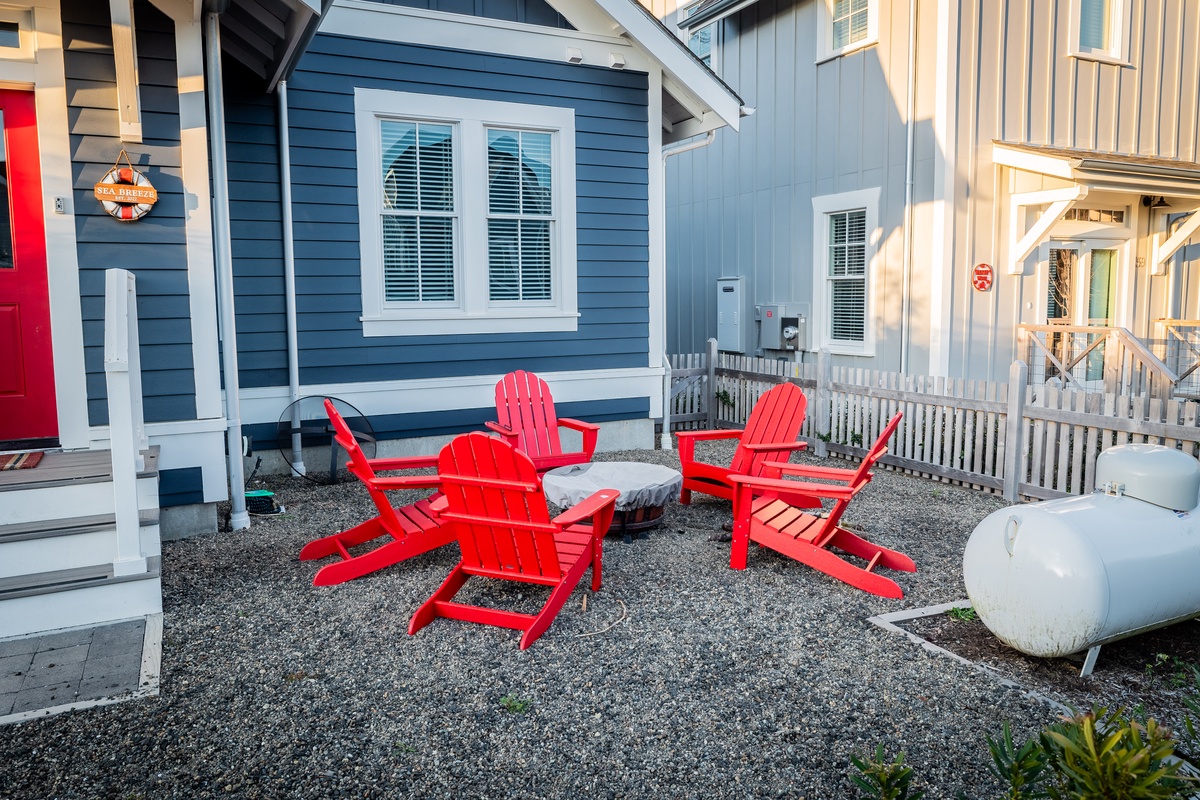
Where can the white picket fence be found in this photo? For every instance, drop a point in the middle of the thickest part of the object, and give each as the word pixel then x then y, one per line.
pixel 954 430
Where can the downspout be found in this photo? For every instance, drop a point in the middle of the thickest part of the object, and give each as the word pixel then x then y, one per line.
pixel 909 160
pixel 289 276
pixel 667 152
pixel 238 518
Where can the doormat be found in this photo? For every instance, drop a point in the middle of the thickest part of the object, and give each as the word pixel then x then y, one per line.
pixel 20 460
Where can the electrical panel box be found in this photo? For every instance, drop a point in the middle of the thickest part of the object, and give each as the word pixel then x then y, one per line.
pixel 782 328
pixel 731 315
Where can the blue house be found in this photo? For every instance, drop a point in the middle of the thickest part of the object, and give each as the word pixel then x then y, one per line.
pixel 391 203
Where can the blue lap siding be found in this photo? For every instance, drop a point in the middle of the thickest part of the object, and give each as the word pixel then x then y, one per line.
pixel 154 248
pixel 612 219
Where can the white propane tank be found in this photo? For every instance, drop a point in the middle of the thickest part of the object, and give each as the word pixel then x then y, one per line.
pixel 1062 576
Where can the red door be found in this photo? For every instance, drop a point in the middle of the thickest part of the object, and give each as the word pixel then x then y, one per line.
pixel 28 413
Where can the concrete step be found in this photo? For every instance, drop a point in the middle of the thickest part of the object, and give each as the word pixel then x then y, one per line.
pixel 58 544
pixel 68 598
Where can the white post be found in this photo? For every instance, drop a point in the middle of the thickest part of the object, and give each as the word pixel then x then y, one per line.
pixel 710 403
pixel 823 401
pixel 1014 433
pixel 666 415
pixel 289 276
pixel 122 375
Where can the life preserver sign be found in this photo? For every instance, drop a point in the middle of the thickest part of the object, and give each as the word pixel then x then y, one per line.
pixel 982 277
pixel 125 193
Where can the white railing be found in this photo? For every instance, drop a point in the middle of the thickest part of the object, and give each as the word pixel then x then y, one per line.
pixel 955 430
pixel 1094 358
pixel 127 429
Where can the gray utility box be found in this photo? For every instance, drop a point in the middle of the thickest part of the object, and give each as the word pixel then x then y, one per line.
pixel 782 328
pixel 731 315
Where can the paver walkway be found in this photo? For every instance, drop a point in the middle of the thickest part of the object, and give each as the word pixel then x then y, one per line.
pixel 78 668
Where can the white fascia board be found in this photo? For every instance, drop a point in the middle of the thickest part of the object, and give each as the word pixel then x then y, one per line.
pixel 426 395
pixel 691 76
pixel 1033 162
pixel 372 20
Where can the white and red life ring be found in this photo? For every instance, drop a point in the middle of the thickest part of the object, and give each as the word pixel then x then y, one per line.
pixel 126 194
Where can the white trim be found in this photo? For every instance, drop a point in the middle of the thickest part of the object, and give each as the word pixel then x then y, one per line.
pixel 472 311
pixel 376 21
pixel 185 444
pixel 825 49
pixel 1057 167
pixel 1019 248
pixel 25 49
pixel 656 198
pixel 945 128
pixel 1118 49
pixel 824 205
pixel 1162 250
pixel 426 395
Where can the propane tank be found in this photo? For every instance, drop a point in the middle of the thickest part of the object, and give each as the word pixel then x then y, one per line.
pixel 1062 576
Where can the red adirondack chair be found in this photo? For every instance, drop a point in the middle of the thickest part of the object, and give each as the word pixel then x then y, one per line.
pixel 769 436
pixel 496 508
pixel 409 530
pixel 526 416
pixel 761 516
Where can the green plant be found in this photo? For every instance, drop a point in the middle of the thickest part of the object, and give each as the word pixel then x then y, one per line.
pixel 856 439
pixel 879 779
pixel 1105 755
pixel 404 747
pixel 962 614
pixel 1191 725
pixel 723 397
pixel 1021 770
pixel 514 705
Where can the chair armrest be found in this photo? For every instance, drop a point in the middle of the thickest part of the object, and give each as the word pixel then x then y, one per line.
pixel 590 431
pixel 732 433
pixel 591 506
pixel 406 462
pixel 796 487
pixel 776 446
pixel 408 482
pixel 812 471
pixel 503 430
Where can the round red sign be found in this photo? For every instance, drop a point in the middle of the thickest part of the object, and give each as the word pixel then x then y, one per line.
pixel 981 277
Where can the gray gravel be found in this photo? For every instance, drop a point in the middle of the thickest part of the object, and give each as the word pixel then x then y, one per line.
pixel 714 683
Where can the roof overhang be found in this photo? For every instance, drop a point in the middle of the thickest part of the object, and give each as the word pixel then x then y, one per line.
pixel 267 36
pixel 695 100
pixel 1099 171
pixel 713 11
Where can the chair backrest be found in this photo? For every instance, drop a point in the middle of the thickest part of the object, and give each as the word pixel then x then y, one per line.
pixel 776 417
pixel 359 465
pixel 524 405
pixel 863 475
pixel 498 509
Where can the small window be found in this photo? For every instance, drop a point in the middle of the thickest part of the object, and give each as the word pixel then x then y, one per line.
pixel 16 35
pixel 10 34
pixel 702 42
pixel 1100 29
pixel 845 26
pixel 844 241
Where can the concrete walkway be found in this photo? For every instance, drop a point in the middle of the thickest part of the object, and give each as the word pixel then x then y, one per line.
pixel 79 668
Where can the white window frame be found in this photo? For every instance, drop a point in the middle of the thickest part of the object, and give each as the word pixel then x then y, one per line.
pixel 1119 26
pixel 825 48
pixel 862 200
pixel 22 19
pixel 714 39
pixel 472 311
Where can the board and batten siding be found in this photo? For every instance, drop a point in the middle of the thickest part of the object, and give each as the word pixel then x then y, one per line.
pixel 612 220
pixel 154 248
pixel 1018 84
pixel 743 205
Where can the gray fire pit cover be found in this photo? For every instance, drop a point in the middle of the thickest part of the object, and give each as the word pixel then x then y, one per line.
pixel 640 485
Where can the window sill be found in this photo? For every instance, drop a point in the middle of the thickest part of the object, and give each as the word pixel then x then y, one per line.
pixel 841 349
pixel 454 324
pixel 847 50
pixel 1103 58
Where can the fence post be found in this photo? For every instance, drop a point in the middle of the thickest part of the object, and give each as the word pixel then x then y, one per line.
pixel 1014 444
pixel 710 401
pixel 823 401
pixel 665 441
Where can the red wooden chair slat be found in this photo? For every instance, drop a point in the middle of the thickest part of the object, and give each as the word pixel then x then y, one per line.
pixel 769 436
pixel 526 418
pixel 763 513
pixel 496 508
pixel 408 531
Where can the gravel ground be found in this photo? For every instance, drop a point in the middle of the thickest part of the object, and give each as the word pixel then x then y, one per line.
pixel 683 678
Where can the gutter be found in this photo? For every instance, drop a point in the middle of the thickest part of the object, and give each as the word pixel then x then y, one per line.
pixel 289 276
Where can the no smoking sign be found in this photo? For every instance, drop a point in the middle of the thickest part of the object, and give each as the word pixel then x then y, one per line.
pixel 982 276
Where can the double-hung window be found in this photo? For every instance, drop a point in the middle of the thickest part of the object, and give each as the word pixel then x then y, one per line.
pixel 702 41
pixel 1099 30
pixel 466 215
pixel 845 26
pixel 844 229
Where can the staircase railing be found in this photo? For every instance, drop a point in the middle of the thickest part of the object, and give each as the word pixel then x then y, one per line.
pixel 127 429
pixel 1178 344
pixel 1098 358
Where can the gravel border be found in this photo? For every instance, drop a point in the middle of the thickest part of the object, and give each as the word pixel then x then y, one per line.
pixel 683 678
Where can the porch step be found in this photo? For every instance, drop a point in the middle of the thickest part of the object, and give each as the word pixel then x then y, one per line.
pixel 67 598
pixel 62 544
pixel 80 481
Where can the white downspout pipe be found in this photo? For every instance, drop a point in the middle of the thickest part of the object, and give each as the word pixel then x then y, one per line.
pixel 289 276
pixel 238 518
pixel 909 160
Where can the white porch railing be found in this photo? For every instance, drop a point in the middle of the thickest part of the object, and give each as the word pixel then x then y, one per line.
pixel 1094 358
pixel 127 429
